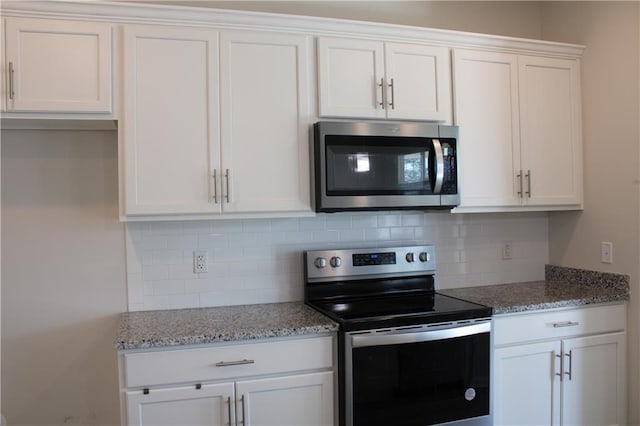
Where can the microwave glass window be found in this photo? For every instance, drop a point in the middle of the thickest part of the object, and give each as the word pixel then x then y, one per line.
pixel 361 165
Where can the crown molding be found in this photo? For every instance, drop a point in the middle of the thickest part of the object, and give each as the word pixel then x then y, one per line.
pixel 133 13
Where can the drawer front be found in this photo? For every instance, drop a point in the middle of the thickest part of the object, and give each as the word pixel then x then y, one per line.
pixel 542 325
pixel 226 362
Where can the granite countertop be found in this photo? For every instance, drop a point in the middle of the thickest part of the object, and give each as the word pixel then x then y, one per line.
pixel 562 287
pixel 155 329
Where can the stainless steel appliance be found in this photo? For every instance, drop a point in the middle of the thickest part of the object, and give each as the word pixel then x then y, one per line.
pixel 408 356
pixel 384 165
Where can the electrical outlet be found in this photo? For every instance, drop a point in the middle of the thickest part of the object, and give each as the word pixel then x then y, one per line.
pixel 200 262
pixel 606 252
pixel 507 251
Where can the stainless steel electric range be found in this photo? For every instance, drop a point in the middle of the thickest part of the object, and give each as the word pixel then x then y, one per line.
pixel 408 356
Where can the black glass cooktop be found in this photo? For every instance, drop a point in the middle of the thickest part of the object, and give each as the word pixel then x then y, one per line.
pixel 398 310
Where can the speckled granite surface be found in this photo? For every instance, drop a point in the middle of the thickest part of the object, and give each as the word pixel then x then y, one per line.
pixel 563 287
pixel 153 329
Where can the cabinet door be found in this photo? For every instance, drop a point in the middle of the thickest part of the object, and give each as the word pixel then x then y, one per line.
pixel 169 126
pixel 550 123
pixel 183 406
pixel 486 109
pixel 265 122
pixel 350 73
pixel 300 400
pixel 594 392
pixel 421 88
pixel 526 388
pixel 58 66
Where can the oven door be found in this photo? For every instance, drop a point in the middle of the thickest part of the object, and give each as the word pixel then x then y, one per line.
pixel 416 377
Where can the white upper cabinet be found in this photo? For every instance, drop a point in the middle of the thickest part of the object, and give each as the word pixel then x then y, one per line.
pixel 551 130
pixel 520 131
pixel 57 66
pixel 265 122
pixel 198 144
pixel 374 79
pixel 169 129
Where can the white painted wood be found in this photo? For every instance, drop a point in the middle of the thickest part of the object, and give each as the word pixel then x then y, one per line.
pixel 486 109
pixel 595 393
pixel 310 25
pixel 592 390
pixel 526 390
pixel 551 129
pixel 349 74
pixel 59 66
pixel 300 400
pixel 186 405
pixel 191 365
pixel 170 120
pixel 421 82
pixel 528 327
pixel 265 121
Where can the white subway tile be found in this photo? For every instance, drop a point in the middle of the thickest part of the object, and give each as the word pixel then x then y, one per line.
pixel 402 234
pixel 214 240
pixel 256 225
pixel 227 226
pixel 183 242
pixel 279 225
pixel 166 228
pixel 351 235
pixel 312 223
pixel 168 287
pixel 377 234
pixel 181 272
pixel 243 240
pixel 298 237
pixel 364 221
pixel 153 243
pixel 227 254
pixel 337 221
pixel 197 227
pixel 155 272
pixel 326 236
pixel 387 221
pixel 167 257
pixel 183 301
pixel 413 220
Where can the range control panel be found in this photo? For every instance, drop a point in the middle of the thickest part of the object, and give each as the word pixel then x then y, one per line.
pixel 325 265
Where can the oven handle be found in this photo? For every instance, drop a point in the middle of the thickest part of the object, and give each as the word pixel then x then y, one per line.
pixel 394 338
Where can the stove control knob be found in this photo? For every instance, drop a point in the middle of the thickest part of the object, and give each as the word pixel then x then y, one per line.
pixel 320 262
pixel 424 257
pixel 410 257
pixel 335 261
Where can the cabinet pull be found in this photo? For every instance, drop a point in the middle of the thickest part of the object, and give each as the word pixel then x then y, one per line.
pixel 561 366
pixel 381 86
pixel 229 408
pixel 231 363
pixel 528 175
pixel 565 324
pixel 244 411
pixel 392 104
pixel 519 177
pixel 227 176
pixel 570 355
pixel 215 186
pixel 12 92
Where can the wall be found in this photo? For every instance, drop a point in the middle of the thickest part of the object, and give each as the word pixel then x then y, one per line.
pixel 63 277
pixel 610 91
pixel 510 18
pixel 257 261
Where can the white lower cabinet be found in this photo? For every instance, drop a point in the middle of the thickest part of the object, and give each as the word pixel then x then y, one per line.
pixel 279 383
pixel 565 368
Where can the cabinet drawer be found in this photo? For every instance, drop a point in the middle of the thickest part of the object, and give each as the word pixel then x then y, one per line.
pixel 542 325
pixel 224 362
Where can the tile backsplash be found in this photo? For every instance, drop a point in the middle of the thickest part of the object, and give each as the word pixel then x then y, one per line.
pixel 260 261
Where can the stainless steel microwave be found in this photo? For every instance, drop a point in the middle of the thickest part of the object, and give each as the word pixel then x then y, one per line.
pixel 361 165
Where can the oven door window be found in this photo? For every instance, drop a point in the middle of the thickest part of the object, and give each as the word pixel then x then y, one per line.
pixel 425 383
pixel 373 165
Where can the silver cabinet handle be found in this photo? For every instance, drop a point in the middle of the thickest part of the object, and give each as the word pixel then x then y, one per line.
pixel 229 408
pixel 565 324
pixel 12 92
pixel 437 187
pixel 244 411
pixel 215 186
pixel 561 366
pixel 392 104
pixel 519 177
pixel 227 176
pixel 528 175
pixel 570 355
pixel 382 97
pixel 238 362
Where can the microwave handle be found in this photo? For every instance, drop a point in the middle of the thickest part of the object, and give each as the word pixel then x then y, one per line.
pixel 437 187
